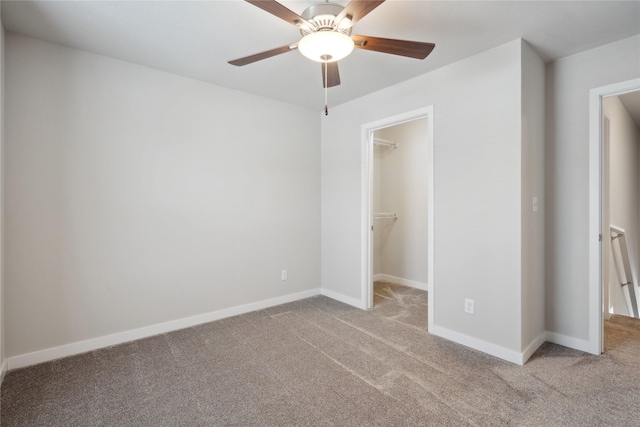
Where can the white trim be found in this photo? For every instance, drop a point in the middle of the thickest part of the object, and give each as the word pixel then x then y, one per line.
pixel 533 346
pixel 431 222
pixel 343 298
pixel 401 281
pixel 366 253
pixel 480 345
pixel 3 370
pixel 366 217
pixel 570 342
pixel 53 353
pixel 596 325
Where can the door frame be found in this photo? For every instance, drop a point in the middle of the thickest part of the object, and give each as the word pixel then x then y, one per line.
pixel 597 228
pixel 367 131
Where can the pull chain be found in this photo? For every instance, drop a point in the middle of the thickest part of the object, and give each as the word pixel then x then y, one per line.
pixel 326 89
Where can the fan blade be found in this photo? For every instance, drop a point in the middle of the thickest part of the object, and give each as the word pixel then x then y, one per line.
pixel 333 76
pixel 358 9
pixel 263 55
pixel 418 50
pixel 282 12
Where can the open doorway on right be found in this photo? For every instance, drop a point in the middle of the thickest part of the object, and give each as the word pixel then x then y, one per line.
pixel 621 214
pixel 400 222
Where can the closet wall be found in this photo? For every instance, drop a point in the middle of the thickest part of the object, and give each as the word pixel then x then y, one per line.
pixel 400 187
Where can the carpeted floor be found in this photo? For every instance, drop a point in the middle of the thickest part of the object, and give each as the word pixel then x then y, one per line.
pixel 318 362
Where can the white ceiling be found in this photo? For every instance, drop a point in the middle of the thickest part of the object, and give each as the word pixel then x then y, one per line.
pixel 196 39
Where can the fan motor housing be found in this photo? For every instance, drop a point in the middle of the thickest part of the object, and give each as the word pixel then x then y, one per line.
pixel 323 16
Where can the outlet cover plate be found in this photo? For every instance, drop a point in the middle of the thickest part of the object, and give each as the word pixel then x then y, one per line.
pixel 468 305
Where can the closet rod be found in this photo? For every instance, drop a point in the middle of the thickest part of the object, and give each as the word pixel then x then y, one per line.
pixel 385 143
pixel 385 215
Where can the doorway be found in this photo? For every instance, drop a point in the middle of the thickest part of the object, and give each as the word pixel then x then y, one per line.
pixel 398 210
pixel 607 206
pixel 621 203
pixel 399 206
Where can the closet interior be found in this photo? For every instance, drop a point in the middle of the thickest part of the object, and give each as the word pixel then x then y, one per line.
pixel 399 214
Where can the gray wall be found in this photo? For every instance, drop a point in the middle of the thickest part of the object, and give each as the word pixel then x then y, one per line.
pixel 533 182
pixel 136 197
pixel 477 104
pixel 567 178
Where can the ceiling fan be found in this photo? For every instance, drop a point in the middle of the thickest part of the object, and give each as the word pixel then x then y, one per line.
pixel 326 36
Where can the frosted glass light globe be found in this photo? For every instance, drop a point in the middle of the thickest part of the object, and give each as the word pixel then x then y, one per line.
pixel 325 46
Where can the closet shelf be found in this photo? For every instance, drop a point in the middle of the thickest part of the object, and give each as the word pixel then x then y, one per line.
pixel 382 146
pixel 385 215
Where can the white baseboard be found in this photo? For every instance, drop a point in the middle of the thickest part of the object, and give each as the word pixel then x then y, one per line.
pixel 510 355
pixel 563 340
pixel 53 353
pixel 400 281
pixel 343 298
pixel 3 370
pixel 480 345
pixel 533 346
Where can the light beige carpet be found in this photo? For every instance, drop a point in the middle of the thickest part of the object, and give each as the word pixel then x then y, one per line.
pixel 318 362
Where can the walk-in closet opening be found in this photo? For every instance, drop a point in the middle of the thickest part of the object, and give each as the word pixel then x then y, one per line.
pixel 614 214
pixel 399 210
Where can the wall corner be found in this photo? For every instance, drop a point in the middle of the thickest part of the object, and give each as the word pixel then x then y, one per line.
pixel 532 100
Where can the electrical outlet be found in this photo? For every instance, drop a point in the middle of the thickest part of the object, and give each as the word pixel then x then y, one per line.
pixel 284 274
pixel 468 305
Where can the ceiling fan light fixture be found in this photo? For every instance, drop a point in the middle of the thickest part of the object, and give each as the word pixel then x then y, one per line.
pixel 326 46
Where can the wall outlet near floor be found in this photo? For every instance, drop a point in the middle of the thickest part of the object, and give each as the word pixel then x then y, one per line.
pixel 284 275
pixel 468 305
